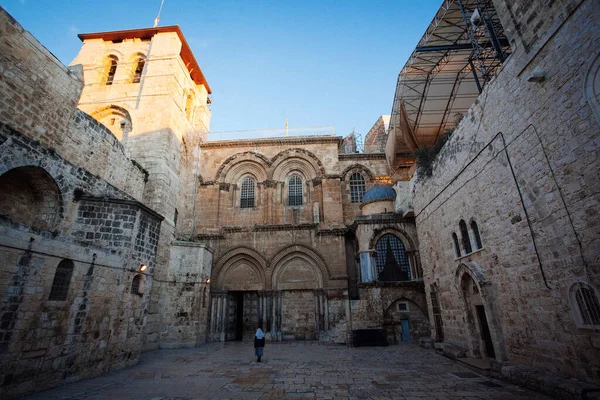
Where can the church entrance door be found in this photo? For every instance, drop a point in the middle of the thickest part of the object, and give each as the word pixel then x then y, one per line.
pixel 242 315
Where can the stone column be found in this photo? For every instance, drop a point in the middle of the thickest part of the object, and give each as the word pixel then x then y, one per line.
pixel 223 317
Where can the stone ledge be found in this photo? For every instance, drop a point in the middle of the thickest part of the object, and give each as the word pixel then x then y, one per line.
pixel 555 385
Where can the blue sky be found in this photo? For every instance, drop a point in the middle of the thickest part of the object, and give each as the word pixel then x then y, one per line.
pixel 315 63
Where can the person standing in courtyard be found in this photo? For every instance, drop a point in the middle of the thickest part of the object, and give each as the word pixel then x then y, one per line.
pixel 259 344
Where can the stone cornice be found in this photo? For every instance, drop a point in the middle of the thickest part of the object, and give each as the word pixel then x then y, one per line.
pixel 209 236
pixel 379 219
pixel 284 227
pixel 271 141
pixel 361 156
pixel 332 232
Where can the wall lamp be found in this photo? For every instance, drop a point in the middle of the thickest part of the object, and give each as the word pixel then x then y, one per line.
pixel 143 267
pixel 207 281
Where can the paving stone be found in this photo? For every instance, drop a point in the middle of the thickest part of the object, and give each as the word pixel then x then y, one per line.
pixel 298 370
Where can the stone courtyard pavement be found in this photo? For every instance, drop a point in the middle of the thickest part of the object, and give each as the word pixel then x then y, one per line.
pixel 292 370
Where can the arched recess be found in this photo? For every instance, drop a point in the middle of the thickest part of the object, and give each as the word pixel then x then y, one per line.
pixel 237 265
pixel 411 315
pixel 306 260
pixel 249 161
pixel 298 160
pixel 592 87
pixel 117 119
pixel 482 315
pixel 30 196
pixel 348 171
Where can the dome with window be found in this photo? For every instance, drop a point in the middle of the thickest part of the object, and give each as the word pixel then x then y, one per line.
pixel 379 199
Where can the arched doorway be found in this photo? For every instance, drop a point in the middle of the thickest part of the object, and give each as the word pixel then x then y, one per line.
pixel 483 334
pixel 404 321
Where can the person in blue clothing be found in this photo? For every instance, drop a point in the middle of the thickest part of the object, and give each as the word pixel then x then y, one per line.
pixel 259 344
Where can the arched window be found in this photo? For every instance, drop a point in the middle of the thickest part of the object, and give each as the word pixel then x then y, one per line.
pixel 135 284
pixel 357 187
pixel 476 235
pixel 295 191
pixel 588 308
pixel 464 233
pixel 456 245
pixel 112 69
pixel 392 261
pixel 139 69
pixel 62 280
pixel 247 193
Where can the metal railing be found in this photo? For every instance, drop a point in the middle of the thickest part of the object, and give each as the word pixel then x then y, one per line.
pixel 272 133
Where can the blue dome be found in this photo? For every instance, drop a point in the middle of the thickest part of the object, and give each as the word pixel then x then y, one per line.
pixel 379 193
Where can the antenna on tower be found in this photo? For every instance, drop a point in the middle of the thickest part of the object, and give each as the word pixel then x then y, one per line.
pixel 158 16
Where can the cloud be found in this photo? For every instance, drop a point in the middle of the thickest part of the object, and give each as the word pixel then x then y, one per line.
pixel 73 30
pixel 22 1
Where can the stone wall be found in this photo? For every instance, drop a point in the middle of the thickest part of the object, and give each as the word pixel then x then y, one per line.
pixel 523 165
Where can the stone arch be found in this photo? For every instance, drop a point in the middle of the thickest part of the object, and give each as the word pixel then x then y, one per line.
pixel 299 252
pixel 233 259
pixel 591 86
pixel 29 195
pixel 401 234
pixel 480 309
pixel 415 315
pixel 240 163
pixel 116 119
pixel 348 171
pixel 298 160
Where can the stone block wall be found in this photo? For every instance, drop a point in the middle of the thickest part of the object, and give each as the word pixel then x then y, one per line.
pixel 298 315
pixel 522 164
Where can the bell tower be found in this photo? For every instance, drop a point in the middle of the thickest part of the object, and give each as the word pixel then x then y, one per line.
pixel 146 86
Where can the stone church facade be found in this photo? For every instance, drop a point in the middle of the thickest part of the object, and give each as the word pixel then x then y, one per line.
pixel 124 228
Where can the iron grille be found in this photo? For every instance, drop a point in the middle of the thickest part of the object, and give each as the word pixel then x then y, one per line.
pixel 588 306
pixel 295 191
pixel 392 246
pixel 357 188
pixel 247 193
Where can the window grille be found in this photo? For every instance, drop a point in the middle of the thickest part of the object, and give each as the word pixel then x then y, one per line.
pixel 112 70
pixel 137 76
pixel 391 255
pixel 135 284
pixel 62 280
pixel 357 187
pixel 295 191
pixel 247 193
pixel 475 230
pixel 588 306
pixel 456 245
pixel 465 237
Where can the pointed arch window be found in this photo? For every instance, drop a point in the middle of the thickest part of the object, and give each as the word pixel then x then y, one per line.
pixel 62 281
pixel 456 245
pixel 392 260
pixel 476 236
pixel 588 307
pixel 139 69
pixel 295 191
pixel 357 187
pixel 247 193
pixel 464 233
pixel 112 69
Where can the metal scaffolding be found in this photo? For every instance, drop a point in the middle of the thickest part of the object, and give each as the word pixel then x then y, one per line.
pixel 459 53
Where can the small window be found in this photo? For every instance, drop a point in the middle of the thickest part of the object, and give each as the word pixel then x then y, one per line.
pixel 62 280
pixel 357 187
pixel 295 191
pixel 139 69
pixel 588 307
pixel 112 69
pixel 403 306
pixel 476 235
pixel 464 233
pixel 135 284
pixel 247 193
pixel 456 245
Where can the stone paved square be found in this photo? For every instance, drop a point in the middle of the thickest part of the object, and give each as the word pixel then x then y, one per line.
pixel 299 370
